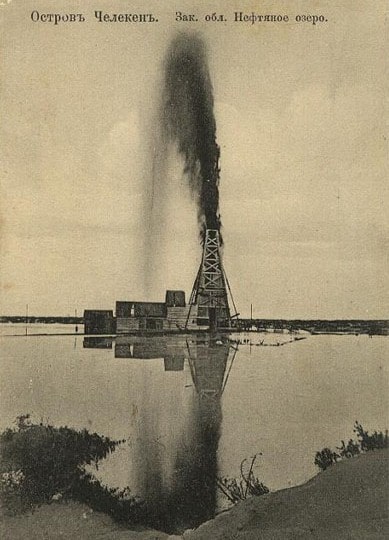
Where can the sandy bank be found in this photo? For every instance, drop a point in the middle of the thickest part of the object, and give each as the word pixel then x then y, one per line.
pixel 349 500
pixel 69 521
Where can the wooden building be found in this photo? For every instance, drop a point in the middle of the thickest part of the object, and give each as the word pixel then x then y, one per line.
pixel 99 321
pixel 171 315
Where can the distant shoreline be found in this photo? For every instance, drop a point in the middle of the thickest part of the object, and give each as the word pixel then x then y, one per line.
pixel 313 326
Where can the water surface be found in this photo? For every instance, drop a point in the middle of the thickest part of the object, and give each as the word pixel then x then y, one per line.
pixel 191 409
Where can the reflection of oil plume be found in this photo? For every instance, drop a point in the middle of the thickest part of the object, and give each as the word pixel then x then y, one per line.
pixel 180 488
pixel 176 427
pixel 148 456
pixel 194 493
pixel 190 496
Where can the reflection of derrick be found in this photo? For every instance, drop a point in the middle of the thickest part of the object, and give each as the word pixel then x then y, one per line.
pixel 207 360
pixel 209 298
pixel 208 364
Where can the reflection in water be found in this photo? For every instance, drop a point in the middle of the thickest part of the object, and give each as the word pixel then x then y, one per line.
pixel 158 412
pixel 177 477
pixel 193 492
pixel 97 343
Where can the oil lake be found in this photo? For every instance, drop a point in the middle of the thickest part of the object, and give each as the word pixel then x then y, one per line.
pixel 191 410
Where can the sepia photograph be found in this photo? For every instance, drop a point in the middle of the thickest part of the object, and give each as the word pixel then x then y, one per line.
pixel 194 299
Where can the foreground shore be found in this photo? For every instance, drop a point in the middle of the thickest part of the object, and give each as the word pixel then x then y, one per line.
pixel 348 500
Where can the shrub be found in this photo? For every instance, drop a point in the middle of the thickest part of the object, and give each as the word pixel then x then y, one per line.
pixel 39 463
pixel 376 441
pixel 365 443
pixel 325 458
pixel 247 486
pixel 350 450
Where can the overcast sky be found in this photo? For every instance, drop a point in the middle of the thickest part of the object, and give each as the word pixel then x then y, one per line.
pixel 301 125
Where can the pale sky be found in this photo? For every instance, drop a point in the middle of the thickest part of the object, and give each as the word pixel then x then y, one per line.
pixel 301 124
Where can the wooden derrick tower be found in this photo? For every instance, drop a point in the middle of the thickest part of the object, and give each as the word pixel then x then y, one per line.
pixel 209 294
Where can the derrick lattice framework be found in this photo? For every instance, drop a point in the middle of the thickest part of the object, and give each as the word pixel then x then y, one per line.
pixel 209 291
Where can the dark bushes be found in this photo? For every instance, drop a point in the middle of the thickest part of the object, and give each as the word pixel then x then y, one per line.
pixel 40 463
pixel 365 443
pixel 325 458
pixel 247 486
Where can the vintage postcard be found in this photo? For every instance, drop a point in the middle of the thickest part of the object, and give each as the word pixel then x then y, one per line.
pixel 194 298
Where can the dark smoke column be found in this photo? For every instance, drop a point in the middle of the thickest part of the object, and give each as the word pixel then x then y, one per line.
pixel 188 120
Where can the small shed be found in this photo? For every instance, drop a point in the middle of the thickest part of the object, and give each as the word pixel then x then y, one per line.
pixel 99 321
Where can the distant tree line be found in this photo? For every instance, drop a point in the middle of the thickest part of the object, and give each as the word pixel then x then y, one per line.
pixel 43 320
pixel 316 326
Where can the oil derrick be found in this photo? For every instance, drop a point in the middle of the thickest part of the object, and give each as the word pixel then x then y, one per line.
pixel 209 298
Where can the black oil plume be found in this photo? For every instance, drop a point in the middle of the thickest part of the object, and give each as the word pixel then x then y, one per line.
pixel 188 120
